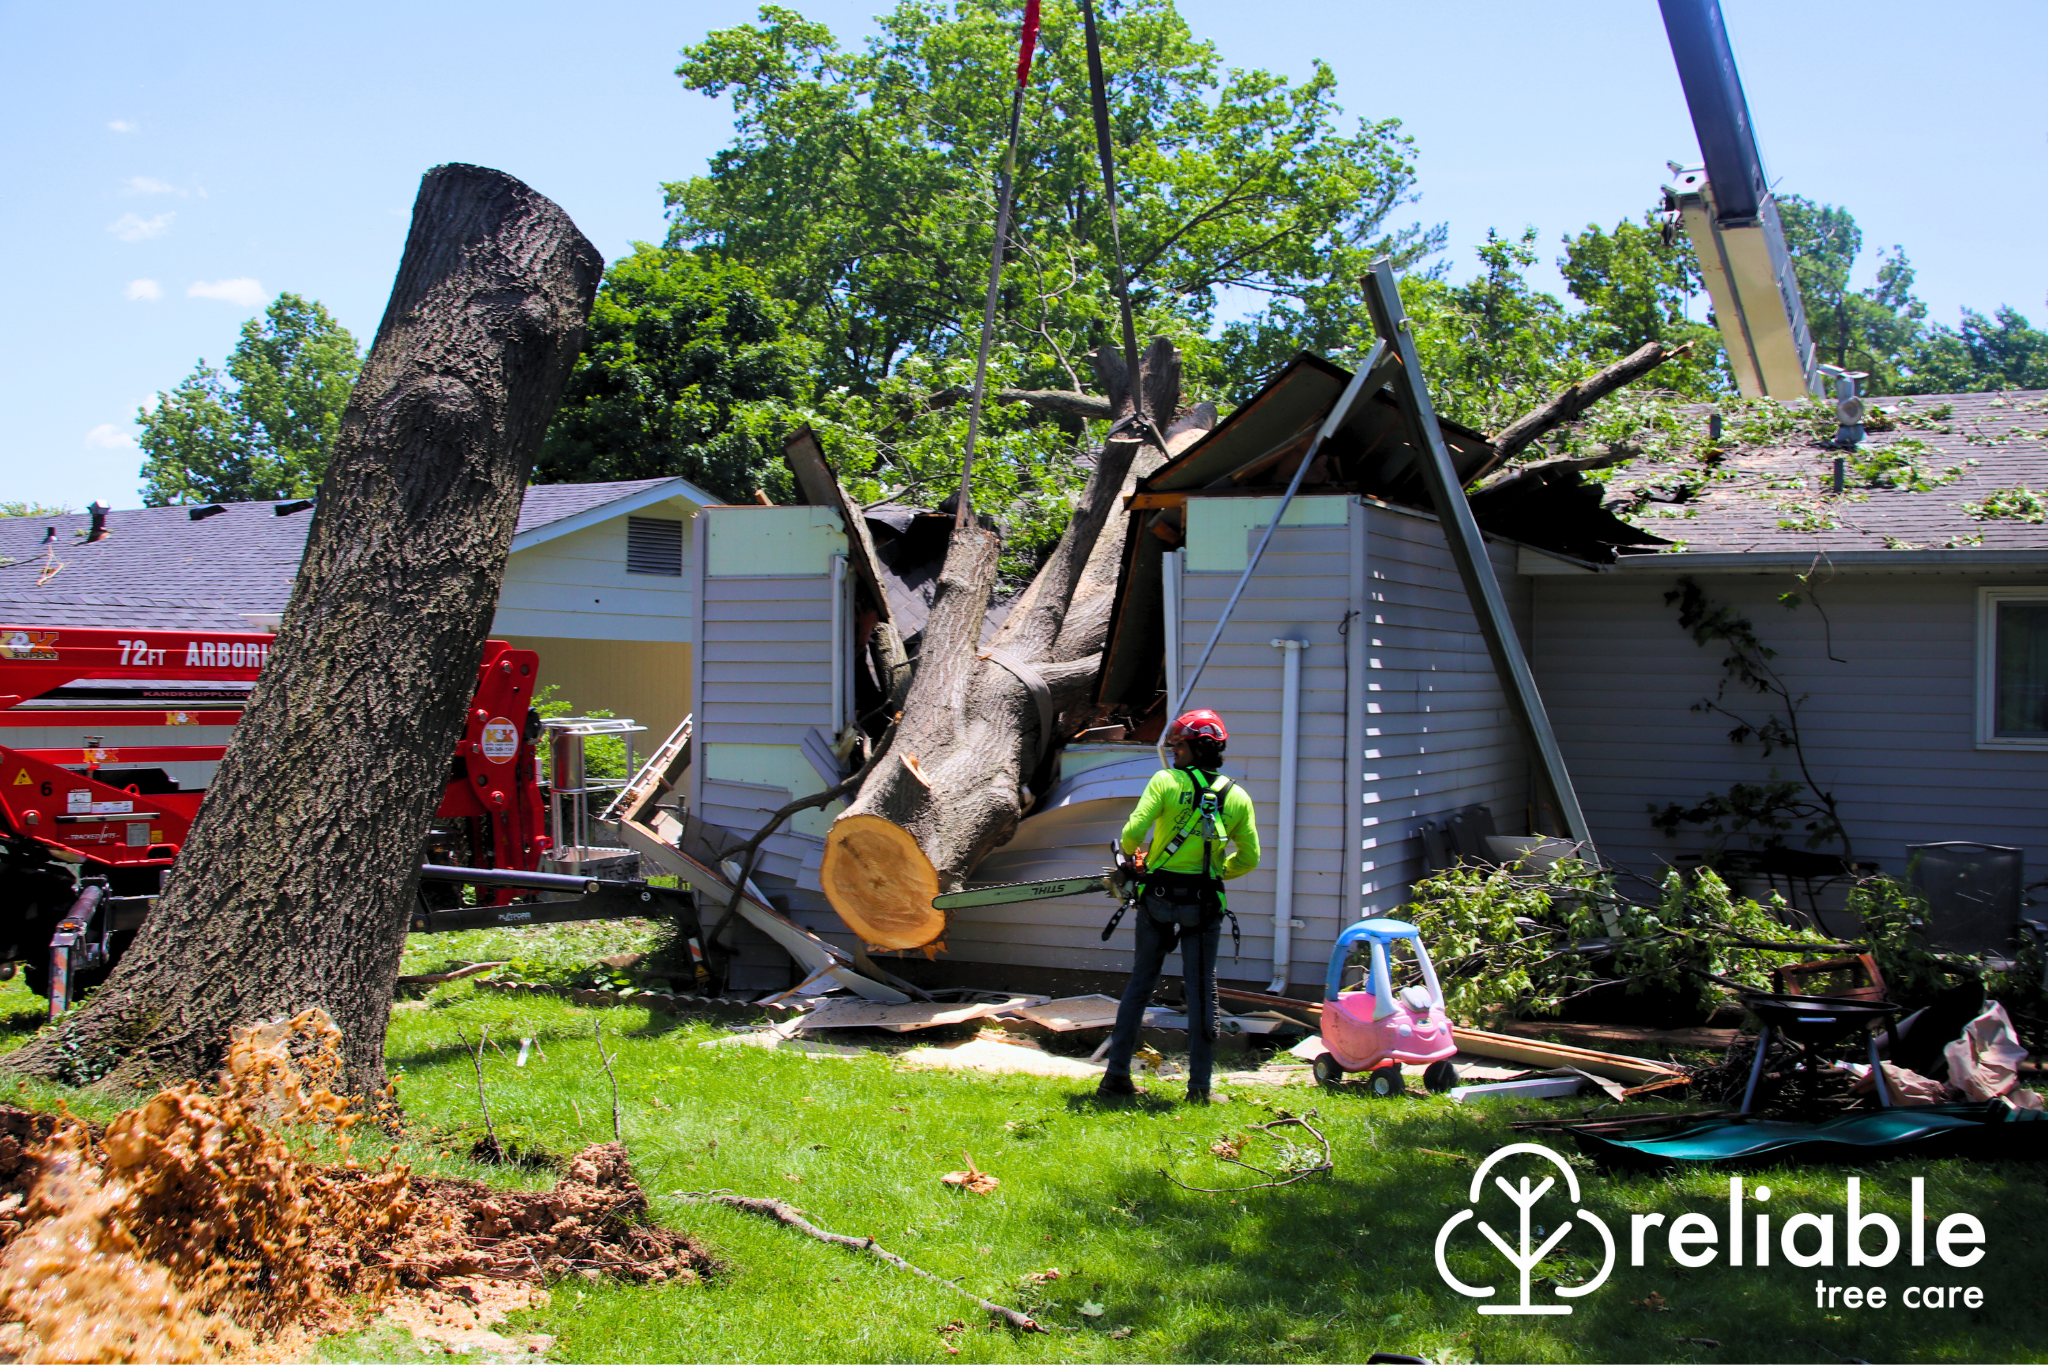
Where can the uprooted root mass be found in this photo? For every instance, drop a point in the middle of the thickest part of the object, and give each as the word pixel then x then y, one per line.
pixel 202 1223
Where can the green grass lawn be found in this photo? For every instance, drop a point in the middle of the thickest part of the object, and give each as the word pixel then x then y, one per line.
pixel 1332 1268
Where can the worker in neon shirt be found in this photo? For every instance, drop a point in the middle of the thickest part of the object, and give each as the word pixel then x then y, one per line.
pixel 1194 814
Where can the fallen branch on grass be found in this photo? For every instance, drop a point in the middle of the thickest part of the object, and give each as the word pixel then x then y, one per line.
pixel 783 1213
pixel 1228 1152
pixel 438 978
pixel 617 1136
pixel 487 1147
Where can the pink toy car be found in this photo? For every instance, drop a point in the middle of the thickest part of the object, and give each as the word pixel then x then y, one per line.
pixel 1377 1029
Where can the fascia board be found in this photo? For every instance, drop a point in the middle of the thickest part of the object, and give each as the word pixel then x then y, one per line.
pixel 1841 561
pixel 617 507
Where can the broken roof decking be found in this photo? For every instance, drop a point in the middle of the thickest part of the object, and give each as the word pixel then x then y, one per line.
pixel 1249 454
pixel 1775 497
pixel 1372 452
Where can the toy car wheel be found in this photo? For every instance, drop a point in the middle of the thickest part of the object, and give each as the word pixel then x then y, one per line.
pixel 1328 1072
pixel 1387 1082
pixel 1440 1076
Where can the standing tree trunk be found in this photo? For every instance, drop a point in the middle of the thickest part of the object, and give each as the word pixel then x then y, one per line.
pixel 977 719
pixel 303 865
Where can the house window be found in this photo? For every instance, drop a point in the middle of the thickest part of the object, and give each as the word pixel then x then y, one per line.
pixel 654 545
pixel 2012 668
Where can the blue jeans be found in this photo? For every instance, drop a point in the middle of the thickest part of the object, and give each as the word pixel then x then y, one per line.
pixel 1198 984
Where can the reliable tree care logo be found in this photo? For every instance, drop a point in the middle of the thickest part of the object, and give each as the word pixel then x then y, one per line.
pixel 1525 1258
pixel 1744 1237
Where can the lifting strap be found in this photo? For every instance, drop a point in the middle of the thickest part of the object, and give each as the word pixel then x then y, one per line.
pixel 1041 697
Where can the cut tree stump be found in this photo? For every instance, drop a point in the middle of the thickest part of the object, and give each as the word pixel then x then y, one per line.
pixel 874 868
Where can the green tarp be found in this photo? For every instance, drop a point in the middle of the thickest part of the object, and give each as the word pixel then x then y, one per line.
pixel 1989 1131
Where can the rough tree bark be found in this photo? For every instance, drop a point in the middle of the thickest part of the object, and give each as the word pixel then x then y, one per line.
pixel 303 865
pixel 950 789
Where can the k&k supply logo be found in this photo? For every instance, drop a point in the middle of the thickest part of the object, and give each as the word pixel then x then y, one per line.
pixel 1745 1236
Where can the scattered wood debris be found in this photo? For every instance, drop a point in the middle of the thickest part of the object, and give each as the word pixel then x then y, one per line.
pixel 201 1223
pixel 1297 1163
pixel 1529 1052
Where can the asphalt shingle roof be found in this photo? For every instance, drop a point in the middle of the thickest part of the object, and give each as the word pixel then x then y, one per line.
pixel 160 569
pixel 1776 495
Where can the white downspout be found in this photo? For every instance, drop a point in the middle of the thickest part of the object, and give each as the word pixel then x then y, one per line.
pixel 1290 772
pixel 1356 663
pixel 1170 565
pixel 839 634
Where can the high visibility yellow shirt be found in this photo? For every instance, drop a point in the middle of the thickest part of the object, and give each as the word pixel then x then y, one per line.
pixel 1168 803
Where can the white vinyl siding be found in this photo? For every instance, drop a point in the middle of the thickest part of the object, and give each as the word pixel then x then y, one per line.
pixel 763 684
pixel 578 587
pixel 1439 734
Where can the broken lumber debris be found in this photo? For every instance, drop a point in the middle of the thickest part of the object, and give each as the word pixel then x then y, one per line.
pixel 920 1014
pixel 1556 1083
pixel 1613 1066
pixel 1073 1012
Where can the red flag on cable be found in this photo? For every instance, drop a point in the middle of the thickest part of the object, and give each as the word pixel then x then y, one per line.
pixel 1030 40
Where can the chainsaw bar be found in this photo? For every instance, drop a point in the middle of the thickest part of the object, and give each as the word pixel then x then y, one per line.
pixel 1009 893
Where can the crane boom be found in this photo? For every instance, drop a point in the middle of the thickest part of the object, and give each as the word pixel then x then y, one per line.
pixel 1728 214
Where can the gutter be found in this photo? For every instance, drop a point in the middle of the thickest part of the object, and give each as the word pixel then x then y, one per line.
pixel 1537 563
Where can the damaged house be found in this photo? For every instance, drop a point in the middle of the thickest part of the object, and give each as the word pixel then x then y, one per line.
pixel 1362 701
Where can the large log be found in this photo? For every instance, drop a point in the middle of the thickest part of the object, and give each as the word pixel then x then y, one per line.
pixel 296 886
pixel 977 720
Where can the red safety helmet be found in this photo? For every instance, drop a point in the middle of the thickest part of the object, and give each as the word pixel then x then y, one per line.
pixel 1204 724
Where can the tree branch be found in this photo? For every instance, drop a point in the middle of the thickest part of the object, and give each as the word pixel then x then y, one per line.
pixel 747 851
pixel 790 1217
pixel 1069 404
pixel 1572 402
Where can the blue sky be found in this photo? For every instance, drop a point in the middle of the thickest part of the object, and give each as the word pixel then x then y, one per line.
pixel 171 168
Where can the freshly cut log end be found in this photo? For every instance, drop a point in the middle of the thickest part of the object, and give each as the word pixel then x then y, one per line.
pixel 881 882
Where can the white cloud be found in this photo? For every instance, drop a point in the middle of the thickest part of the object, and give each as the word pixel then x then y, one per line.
pixel 148 184
pixel 131 227
pixel 245 292
pixel 144 291
pixel 107 436
pixel 121 125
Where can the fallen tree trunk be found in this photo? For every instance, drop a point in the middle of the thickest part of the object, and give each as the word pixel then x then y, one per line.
pixel 297 884
pixel 977 720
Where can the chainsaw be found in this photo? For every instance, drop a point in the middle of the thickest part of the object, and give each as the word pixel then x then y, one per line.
pixel 1123 879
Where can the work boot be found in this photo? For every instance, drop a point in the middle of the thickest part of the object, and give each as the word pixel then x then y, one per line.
pixel 1200 1097
pixel 1115 1086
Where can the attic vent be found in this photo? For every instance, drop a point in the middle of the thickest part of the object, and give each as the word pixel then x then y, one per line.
pixel 654 545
